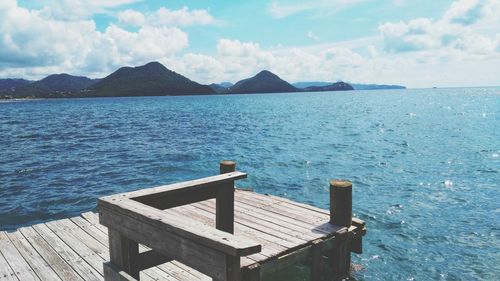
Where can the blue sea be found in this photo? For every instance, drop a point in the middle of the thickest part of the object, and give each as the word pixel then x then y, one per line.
pixel 425 163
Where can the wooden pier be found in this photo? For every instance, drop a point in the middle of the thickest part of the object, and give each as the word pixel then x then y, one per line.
pixel 198 230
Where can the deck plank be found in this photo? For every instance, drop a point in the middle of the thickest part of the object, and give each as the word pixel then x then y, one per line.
pixel 60 267
pixel 16 261
pixel 6 272
pixel 74 258
pixel 36 262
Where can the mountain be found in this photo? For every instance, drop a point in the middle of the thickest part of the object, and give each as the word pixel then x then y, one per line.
pixel 152 79
pixel 55 86
pixel 264 82
pixel 376 87
pixel 303 85
pixel 10 85
pixel 226 84
pixel 338 86
pixel 218 88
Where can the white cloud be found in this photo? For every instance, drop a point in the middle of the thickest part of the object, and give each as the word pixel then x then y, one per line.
pixel 131 17
pixel 80 9
pixel 312 35
pixel 285 8
pixel 33 44
pixel 181 17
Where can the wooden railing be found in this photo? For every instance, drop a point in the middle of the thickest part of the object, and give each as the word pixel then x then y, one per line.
pixel 136 217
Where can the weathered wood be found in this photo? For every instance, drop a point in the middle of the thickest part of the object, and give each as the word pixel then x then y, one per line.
pixel 252 273
pixel 16 261
pixel 150 259
pixel 193 185
pixel 227 166
pixel 6 272
pixel 341 203
pixel 316 259
pixel 123 252
pixel 73 258
pixel 196 255
pixel 340 255
pixel 168 225
pixel 36 262
pixel 115 273
pixel 224 214
pixel 55 262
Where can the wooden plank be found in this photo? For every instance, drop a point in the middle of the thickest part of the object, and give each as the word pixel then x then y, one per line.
pixel 270 244
pixel 273 228
pixel 72 234
pixel 60 267
pixel 355 221
pixel 204 259
pixel 16 261
pixel 193 185
pixel 36 262
pixel 189 229
pixel 6 272
pixel 316 223
pixel 72 257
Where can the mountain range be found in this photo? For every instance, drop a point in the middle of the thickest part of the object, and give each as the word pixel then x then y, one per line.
pixel 355 86
pixel 153 79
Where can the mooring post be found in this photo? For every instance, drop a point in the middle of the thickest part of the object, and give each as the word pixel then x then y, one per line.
pixel 341 215
pixel 224 202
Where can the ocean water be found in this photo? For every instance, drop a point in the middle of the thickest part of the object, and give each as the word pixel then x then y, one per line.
pixel 425 163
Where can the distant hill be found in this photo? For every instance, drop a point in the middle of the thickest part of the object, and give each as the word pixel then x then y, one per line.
pixel 226 84
pixel 338 86
pixel 264 82
pixel 302 85
pixel 357 86
pixel 376 87
pixel 152 79
pixel 10 85
pixel 218 88
pixel 54 86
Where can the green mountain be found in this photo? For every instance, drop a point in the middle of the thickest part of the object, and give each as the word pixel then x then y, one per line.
pixel 152 79
pixel 338 86
pixel 264 82
pixel 10 85
pixel 54 86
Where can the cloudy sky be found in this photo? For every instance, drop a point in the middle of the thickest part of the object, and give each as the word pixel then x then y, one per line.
pixel 421 43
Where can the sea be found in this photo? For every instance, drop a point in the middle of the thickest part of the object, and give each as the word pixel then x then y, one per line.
pixel 424 163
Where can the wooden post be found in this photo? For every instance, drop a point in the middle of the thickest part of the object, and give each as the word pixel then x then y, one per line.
pixel 316 257
pixel 341 203
pixel 227 166
pixel 224 202
pixel 123 253
pixel 341 215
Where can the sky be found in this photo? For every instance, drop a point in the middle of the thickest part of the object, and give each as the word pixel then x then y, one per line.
pixel 418 44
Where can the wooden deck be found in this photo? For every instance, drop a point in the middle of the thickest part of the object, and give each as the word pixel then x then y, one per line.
pixel 75 248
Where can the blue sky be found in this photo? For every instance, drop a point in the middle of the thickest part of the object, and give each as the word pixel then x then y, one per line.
pixel 415 43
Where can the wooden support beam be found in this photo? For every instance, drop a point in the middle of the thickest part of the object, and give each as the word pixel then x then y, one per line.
pixel 150 259
pixel 340 255
pixel 224 215
pixel 252 273
pixel 316 259
pixel 123 253
pixel 114 273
